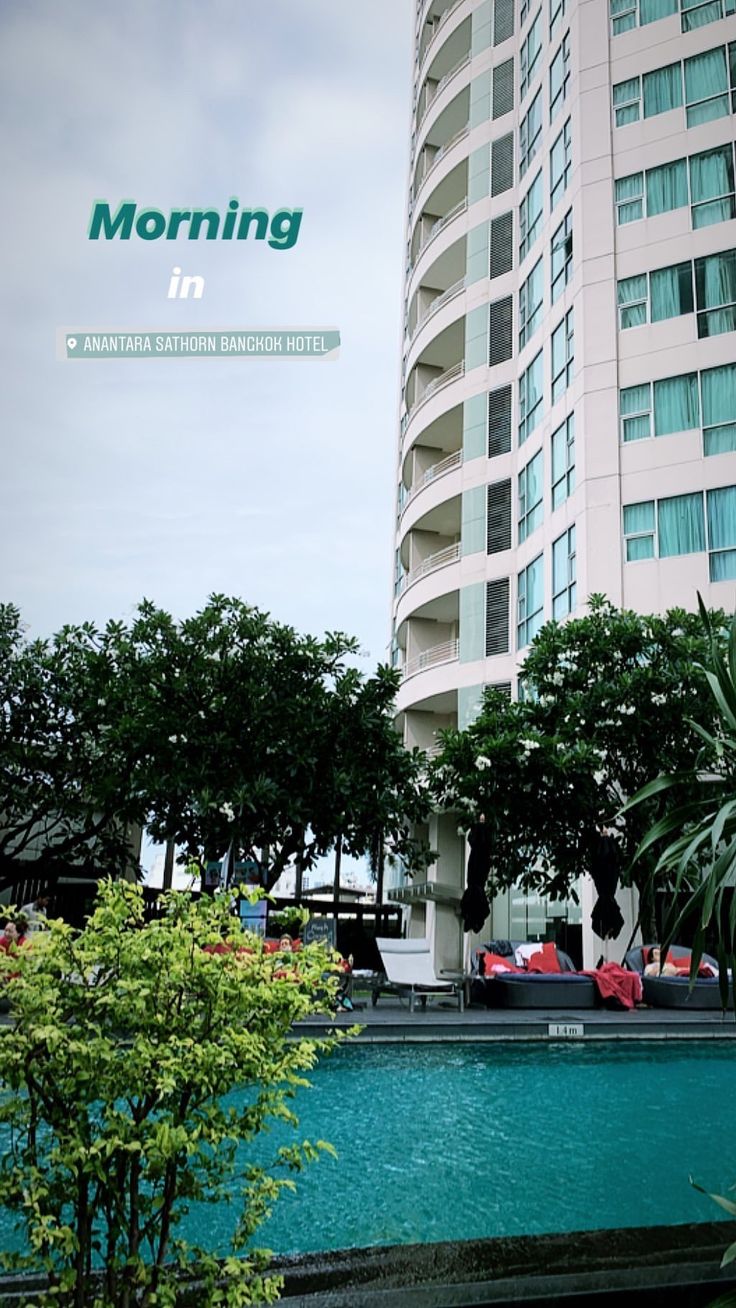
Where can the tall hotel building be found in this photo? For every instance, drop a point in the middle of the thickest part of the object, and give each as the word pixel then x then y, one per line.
pixel 568 412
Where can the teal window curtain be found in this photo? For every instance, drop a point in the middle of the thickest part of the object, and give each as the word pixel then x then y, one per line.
pixel 712 186
pixel 722 533
pixel 662 90
pixel 718 389
pixel 666 187
pixel 671 291
pixel 639 530
pixel 651 10
pixel 563 461
pixel 629 202
pixel 632 301
pixel 696 14
pixel 676 404
pixel 706 87
pixel 626 101
pixel 636 405
pixel 681 525
pixel 715 282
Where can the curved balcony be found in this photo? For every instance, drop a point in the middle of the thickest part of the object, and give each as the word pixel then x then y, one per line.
pixel 438 303
pixel 440 27
pixel 447 652
pixel 428 409
pixel 439 469
pixel 438 226
pixel 450 554
pixel 426 167
pixel 445 378
pixel 437 93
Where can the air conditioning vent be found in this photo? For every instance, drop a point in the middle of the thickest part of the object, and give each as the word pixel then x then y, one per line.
pixel 500 343
pixel 498 531
pixel 502 245
pixel 497 617
pixel 499 422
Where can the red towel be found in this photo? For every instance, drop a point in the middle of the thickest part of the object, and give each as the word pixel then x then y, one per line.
pixel 616 987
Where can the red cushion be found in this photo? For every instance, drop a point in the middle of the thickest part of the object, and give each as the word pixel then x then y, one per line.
pixel 492 964
pixel 270 946
pixel 545 960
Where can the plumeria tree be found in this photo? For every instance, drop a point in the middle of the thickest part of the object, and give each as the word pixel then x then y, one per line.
pixel 224 730
pixel 609 700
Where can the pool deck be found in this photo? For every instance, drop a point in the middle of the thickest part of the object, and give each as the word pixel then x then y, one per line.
pixel 392 1022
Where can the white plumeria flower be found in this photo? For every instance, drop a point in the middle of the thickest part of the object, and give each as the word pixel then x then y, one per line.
pixel 482 762
pixel 228 811
pixel 599 778
pixel 659 699
pixel 529 745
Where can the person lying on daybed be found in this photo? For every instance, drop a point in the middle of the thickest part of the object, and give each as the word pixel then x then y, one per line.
pixel 672 966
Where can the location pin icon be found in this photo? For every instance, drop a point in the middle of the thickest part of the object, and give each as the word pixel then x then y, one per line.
pixel 71 342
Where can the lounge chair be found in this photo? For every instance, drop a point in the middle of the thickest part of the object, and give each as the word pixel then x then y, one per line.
pixel 675 991
pixel 409 970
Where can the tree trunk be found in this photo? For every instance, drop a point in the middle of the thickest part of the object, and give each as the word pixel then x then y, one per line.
pixel 169 864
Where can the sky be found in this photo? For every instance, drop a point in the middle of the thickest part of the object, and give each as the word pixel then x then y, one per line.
pixel 172 479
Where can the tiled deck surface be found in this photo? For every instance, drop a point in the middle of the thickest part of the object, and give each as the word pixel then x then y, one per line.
pixel 391 1020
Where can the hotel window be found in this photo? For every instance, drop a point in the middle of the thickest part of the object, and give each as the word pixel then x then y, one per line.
pixel 564 574
pixel 531 507
pixel 559 76
pixel 531 53
pixel 530 133
pixel 710 79
pixel 696 13
pixel 524 12
pixel 675 407
pixel 705 181
pixel 560 164
pixel 531 296
pixel 561 256
pixel 721 509
pixel 530 605
pixel 563 355
pixel 530 216
pixel 679 527
pixel 712 186
pixel 659 90
pixel 718 397
pixel 629 198
pixel 652 297
pixel 636 412
pixel 679 404
pixel 556 15
pixel 563 461
pixel 715 286
pixel 626 14
pixel 531 389
pixel 639 531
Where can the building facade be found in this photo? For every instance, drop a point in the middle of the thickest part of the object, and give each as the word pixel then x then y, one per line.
pixel 568 408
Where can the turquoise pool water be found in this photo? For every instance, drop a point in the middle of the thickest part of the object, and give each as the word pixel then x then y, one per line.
pixel 454 1142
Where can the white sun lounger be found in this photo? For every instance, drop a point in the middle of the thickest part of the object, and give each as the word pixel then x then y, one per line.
pixel 409 969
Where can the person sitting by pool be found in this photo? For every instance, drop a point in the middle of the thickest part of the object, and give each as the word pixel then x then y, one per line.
pixel 655 966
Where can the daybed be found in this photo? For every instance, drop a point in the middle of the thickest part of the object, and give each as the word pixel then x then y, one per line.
pixel 675 991
pixel 559 987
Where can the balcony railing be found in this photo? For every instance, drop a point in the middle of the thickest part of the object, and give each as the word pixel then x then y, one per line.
pixel 438 227
pixel 447 652
pixel 443 82
pixel 444 379
pixel 443 150
pixel 437 470
pixel 438 303
pixel 443 19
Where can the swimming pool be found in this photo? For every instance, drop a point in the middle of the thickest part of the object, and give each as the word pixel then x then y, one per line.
pixel 456 1141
